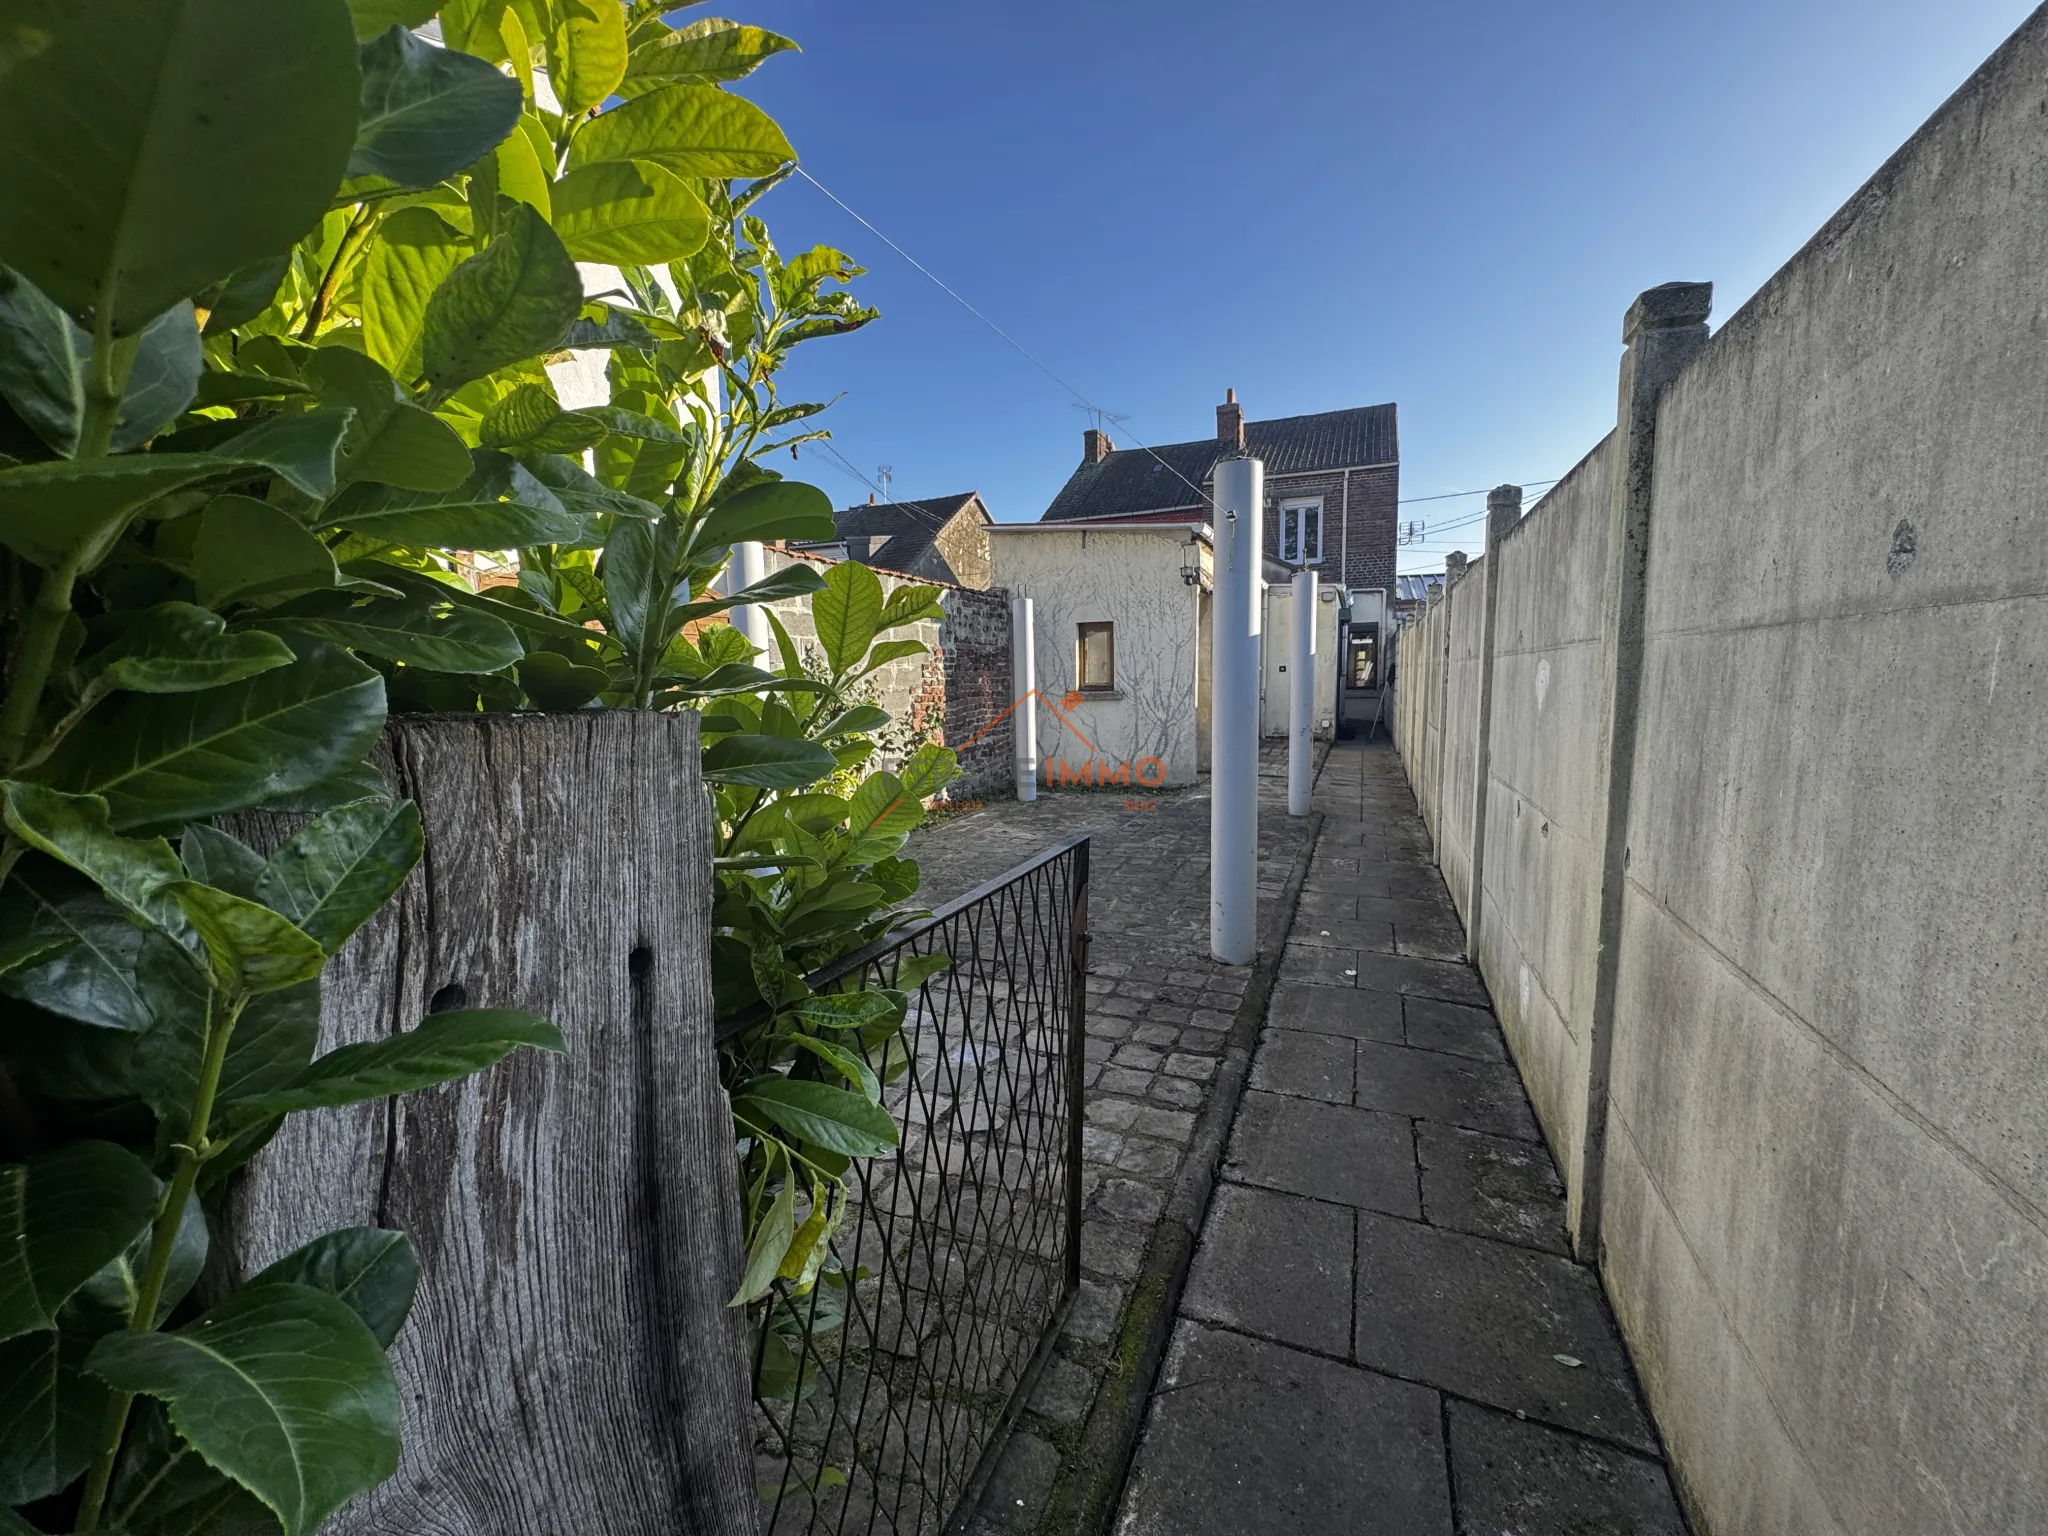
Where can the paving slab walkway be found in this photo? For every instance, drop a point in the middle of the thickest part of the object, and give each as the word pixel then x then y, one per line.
pixel 1383 1332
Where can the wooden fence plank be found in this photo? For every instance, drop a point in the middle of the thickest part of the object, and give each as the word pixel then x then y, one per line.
pixel 571 1365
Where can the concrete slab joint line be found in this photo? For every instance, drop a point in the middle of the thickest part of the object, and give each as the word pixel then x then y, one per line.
pixel 1662 331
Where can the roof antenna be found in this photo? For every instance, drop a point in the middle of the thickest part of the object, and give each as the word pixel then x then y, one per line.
pixel 885 474
pixel 1101 419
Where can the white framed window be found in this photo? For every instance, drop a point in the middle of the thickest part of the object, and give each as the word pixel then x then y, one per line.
pixel 1301 531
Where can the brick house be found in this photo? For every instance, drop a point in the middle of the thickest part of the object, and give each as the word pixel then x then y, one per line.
pixel 1332 483
pixel 944 538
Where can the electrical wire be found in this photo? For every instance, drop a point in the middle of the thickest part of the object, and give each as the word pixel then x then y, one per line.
pixel 1429 529
pixel 1454 495
pixel 1086 404
pixel 845 467
pixel 1022 351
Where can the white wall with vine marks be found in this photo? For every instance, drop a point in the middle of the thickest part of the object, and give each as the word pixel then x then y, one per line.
pixel 1131 579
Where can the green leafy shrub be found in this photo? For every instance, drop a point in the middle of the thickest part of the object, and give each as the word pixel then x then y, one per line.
pixel 279 289
pixel 281 285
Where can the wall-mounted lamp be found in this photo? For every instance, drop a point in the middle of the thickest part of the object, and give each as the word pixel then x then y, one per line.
pixel 1191 563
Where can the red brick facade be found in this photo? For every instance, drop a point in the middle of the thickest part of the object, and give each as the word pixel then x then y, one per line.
pixel 1360 519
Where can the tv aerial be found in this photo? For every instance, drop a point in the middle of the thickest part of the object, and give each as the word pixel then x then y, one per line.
pixel 1100 419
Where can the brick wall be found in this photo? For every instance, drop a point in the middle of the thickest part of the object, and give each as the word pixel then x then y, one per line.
pixel 952 692
pixel 1375 525
pixel 973 677
pixel 1358 541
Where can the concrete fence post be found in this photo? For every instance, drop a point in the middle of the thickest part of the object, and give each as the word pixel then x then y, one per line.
pixel 1662 330
pixel 1454 572
pixel 1503 511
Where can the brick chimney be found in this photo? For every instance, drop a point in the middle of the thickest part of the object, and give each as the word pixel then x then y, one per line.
pixel 1230 420
pixel 1095 446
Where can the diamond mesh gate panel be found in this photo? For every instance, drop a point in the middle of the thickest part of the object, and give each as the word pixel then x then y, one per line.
pixel 957 1255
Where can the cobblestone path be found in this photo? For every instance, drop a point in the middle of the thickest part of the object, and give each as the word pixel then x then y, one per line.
pixel 1158 1011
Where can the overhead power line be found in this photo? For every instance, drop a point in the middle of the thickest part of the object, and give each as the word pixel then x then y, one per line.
pixel 1102 415
pixel 845 466
pixel 1454 495
pixel 948 290
pixel 1021 350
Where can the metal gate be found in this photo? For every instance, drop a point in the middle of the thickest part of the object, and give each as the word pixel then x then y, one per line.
pixel 953 1266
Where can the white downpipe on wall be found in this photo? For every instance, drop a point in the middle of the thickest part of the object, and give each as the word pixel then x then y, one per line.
pixel 1238 515
pixel 1024 674
pixel 1301 694
pixel 747 566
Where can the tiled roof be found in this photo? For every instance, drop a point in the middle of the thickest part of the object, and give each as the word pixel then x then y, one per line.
pixel 896 517
pixel 1134 480
pixel 897 535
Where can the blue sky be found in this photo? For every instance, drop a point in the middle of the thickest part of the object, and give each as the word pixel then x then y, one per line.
pixel 1320 205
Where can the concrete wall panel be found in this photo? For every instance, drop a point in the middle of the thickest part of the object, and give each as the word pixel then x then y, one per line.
pixel 1539 911
pixel 1885 1299
pixel 1829 1042
pixel 1460 737
pixel 1825 1212
pixel 1729 1450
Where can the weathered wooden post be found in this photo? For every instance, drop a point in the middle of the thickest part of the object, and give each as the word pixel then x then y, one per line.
pixel 571 1364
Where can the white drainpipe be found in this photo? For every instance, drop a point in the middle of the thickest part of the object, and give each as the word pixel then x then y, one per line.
pixel 1237 516
pixel 1301 695
pixel 1024 676
pixel 748 565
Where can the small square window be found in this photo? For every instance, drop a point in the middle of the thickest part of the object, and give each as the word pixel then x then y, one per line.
pixel 1096 656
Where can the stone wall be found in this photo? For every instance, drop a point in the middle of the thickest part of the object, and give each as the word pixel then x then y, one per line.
pixel 952 693
pixel 964 544
pixel 1762 902
pixel 974 652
